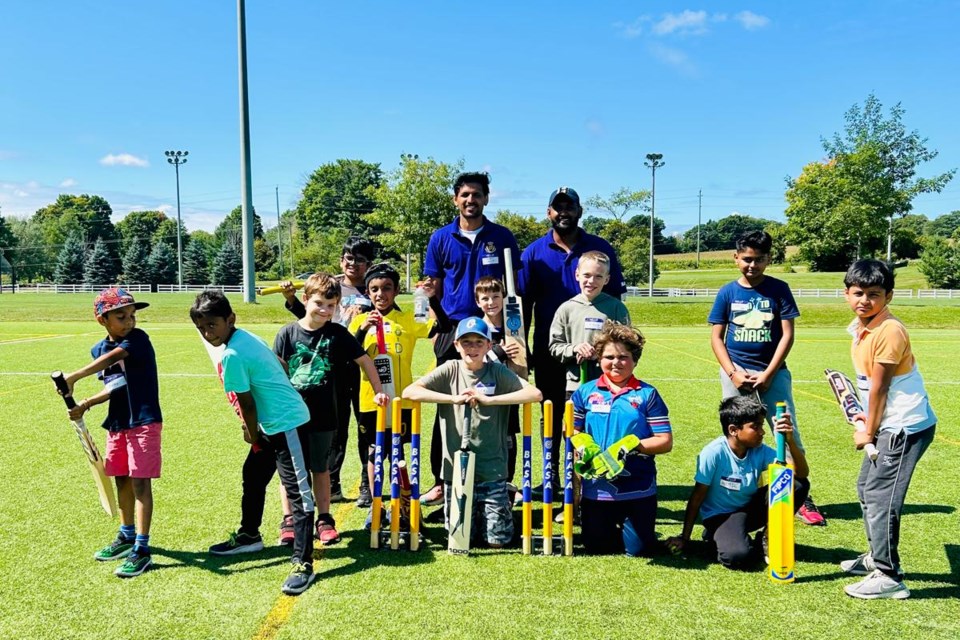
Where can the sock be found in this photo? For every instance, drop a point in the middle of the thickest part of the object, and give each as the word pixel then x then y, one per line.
pixel 128 531
pixel 142 544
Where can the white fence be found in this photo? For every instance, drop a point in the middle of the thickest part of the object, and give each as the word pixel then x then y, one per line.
pixel 797 293
pixel 132 288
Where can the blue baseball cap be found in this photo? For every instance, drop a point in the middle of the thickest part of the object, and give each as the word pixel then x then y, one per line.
pixel 473 325
pixel 564 191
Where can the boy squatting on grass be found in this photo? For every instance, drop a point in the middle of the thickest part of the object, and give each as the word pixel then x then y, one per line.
pixel 127 364
pixel 620 424
pixel 729 493
pixel 898 417
pixel 488 388
pixel 316 351
pixel 400 334
pixel 752 319
pixel 489 295
pixel 271 410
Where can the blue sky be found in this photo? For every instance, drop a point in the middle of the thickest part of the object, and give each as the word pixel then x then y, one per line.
pixel 735 95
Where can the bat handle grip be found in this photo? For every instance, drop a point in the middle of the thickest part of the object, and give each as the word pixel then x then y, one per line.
pixel 869 449
pixel 61 383
pixel 381 341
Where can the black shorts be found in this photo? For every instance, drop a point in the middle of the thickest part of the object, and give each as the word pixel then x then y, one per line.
pixel 316 447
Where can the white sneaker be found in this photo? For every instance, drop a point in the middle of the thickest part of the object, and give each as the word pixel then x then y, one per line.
pixel 878 585
pixel 863 565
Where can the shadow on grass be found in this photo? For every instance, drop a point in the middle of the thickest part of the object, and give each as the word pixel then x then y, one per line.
pixel 851 510
pixel 220 565
pixel 952 579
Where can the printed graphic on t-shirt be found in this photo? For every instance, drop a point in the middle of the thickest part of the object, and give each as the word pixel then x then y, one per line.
pixel 752 319
pixel 309 368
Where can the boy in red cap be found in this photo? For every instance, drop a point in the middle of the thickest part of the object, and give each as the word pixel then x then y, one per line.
pixel 126 363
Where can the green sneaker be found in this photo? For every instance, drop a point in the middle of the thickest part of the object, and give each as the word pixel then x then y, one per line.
pixel 135 564
pixel 119 548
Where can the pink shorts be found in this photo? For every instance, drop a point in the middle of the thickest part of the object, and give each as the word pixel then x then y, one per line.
pixel 134 452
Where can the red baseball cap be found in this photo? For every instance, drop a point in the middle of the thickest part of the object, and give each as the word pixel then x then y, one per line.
pixel 114 298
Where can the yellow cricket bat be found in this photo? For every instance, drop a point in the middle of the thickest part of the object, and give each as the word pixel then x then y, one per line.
pixel 266 291
pixel 780 512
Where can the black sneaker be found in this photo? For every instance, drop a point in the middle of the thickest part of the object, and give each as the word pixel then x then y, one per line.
pixel 238 542
pixel 336 493
pixel 299 579
pixel 364 500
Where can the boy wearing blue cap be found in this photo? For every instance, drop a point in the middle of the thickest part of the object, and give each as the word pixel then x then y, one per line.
pixel 489 388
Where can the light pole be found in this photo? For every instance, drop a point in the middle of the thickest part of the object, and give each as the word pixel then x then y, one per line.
pixel 654 161
pixel 177 158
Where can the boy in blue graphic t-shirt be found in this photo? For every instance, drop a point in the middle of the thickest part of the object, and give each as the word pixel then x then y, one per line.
pixel 752 335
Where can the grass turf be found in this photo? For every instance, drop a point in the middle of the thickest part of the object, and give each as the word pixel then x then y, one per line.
pixel 50 587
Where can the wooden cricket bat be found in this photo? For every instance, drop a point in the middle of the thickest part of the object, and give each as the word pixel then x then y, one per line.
pixel 849 401
pixel 461 500
pixel 513 317
pixel 780 512
pixel 216 359
pixel 266 291
pixel 104 485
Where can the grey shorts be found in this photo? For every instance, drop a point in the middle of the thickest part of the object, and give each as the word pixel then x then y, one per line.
pixel 492 513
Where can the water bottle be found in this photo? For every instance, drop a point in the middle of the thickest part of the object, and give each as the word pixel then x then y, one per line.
pixel 421 305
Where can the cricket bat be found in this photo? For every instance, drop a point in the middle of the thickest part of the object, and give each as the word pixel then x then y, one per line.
pixel 384 365
pixel 461 500
pixel 104 486
pixel 849 401
pixel 780 512
pixel 513 317
pixel 266 291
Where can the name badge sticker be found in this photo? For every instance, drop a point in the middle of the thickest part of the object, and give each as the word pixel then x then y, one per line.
pixel 488 260
pixel 739 306
pixel 592 324
pixel 486 389
pixel 732 484
pixel 600 408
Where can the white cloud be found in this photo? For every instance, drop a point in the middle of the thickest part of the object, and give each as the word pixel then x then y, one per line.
pixel 123 160
pixel 20 193
pixel 751 21
pixel 685 23
pixel 673 57
pixel 595 127
pixel 69 182
pixel 632 29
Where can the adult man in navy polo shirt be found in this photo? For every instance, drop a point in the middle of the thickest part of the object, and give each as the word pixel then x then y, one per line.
pixel 458 255
pixel 547 279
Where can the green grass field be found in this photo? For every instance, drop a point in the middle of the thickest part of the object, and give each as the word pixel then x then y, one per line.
pixel 50 587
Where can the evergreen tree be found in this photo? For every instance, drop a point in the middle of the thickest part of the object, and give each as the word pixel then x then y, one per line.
pixel 163 264
pixel 98 267
pixel 228 265
pixel 69 269
pixel 196 270
pixel 136 263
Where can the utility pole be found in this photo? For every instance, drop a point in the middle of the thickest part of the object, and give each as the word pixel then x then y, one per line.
pixel 699 212
pixel 654 161
pixel 246 189
pixel 177 158
pixel 279 229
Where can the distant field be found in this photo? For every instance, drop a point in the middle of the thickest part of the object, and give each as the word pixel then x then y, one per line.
pixel 908 277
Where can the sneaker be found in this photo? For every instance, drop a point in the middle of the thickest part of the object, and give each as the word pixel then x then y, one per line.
pixel 863 565
pixel 336 493
pixel 287 533
pixel 878 585
pixel 433 497
pixel 384 519
pixel 299 579
pixel 237 543
pixel 137 562
pixel 119 548
pixel 559 518
pixel 762 542
pixel 810 514
pixel 364 500
pixel 327 532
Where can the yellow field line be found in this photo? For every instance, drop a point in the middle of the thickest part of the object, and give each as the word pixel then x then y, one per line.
pixel 283 607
